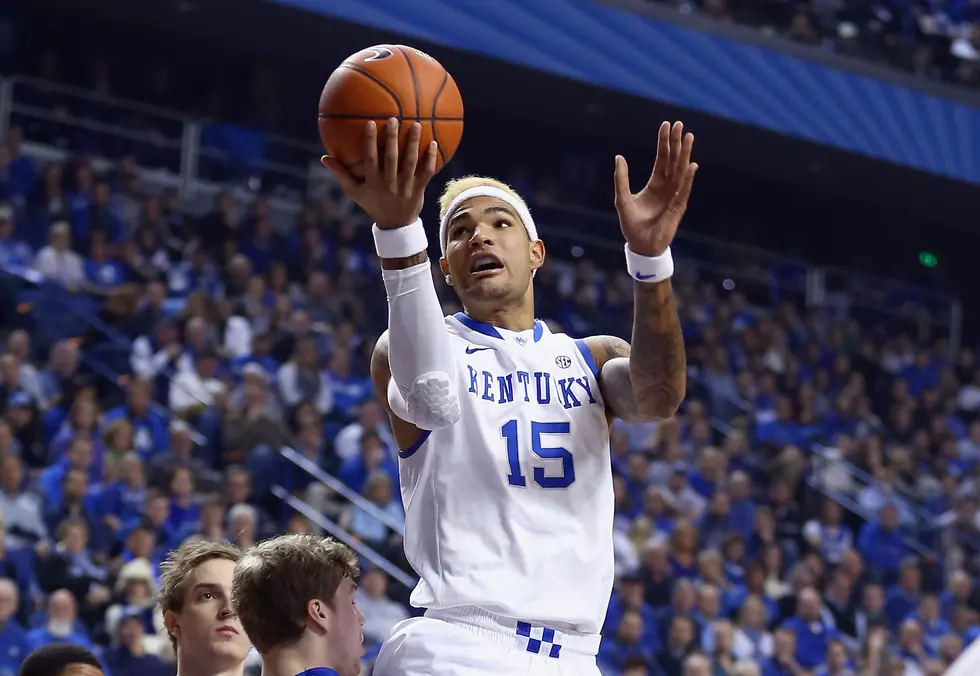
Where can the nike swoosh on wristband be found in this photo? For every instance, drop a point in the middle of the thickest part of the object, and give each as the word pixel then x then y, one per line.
pixel 471 350
pixel 642 277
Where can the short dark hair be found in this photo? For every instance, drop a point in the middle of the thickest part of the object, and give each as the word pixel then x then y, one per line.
pixel 180 563
pixel 275 580
pixel 54 658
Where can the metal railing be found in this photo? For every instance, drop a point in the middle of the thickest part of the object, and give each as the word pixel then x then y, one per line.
pixel 339 487
pixel 192 149
pixel 366 552
pixel 918 530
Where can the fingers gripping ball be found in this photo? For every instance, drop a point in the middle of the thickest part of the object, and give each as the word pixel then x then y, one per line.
pixel 388 81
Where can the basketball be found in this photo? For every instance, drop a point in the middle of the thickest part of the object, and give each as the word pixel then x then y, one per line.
pixel 388 81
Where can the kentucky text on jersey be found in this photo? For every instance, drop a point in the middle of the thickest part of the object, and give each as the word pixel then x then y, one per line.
pixel 539 387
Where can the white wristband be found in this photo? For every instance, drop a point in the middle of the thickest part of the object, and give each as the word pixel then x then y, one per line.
pixel 402 242
pixel 649 269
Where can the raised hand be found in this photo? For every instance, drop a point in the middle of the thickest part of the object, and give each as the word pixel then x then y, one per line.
pixel 392 192
pixel 649 218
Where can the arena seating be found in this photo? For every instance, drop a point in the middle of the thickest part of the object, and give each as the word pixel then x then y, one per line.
pixel 186 356
pixel 935 41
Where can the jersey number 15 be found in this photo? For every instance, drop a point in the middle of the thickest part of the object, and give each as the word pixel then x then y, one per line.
pixel 509 432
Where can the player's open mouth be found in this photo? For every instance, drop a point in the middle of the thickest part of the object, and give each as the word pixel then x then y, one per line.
pixel 485 264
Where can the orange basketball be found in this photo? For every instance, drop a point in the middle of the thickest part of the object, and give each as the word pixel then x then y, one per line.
pixel 388 81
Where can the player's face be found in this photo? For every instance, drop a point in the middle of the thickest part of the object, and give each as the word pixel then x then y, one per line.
pixel 488 253
pixel 206 627
pixel 346 639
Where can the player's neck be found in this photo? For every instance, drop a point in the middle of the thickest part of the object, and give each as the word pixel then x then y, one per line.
pixel 185 668
pixel 513 318
pixel 293 660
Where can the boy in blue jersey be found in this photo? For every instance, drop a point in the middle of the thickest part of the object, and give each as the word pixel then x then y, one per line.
pixel 195 597
pixel 295 597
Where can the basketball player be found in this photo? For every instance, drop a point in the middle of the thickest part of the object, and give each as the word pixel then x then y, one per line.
pixel 503 426
pixel 195 597
pixel 295 597
pixel 61 659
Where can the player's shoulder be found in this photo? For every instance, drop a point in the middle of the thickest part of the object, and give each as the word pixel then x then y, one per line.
pixel 381 346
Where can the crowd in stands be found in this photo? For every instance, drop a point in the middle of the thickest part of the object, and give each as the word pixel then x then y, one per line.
pixel 734 553
pixel 936 40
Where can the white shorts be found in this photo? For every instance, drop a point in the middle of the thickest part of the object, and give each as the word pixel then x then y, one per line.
pixel 472 642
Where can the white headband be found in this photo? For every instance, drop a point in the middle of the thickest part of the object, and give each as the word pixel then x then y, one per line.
pixel 487 191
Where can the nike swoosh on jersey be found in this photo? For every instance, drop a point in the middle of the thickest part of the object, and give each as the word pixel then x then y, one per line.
pixel 471 349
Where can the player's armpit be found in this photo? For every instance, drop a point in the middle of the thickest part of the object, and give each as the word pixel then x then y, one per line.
pixel 611 355
pixel 645 381
pixel 406 434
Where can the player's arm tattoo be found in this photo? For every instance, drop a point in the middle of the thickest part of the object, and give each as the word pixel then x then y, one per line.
pixel 403 263
pixel 645 381
pixel 658 362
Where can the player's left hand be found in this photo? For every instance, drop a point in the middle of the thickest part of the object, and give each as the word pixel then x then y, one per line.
pixel 649 218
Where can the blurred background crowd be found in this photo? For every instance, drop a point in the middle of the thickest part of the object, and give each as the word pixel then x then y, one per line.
pixel 190 360
pixel 937 40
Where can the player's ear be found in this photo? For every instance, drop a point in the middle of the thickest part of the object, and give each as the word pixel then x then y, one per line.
pixel 170 623
pixel 537 254
pixel 444 266
pixel 317 614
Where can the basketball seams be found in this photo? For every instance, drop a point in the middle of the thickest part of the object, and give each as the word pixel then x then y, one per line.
pixel 415 81
pixel 434 119
pixel 371 76
pixel 383 116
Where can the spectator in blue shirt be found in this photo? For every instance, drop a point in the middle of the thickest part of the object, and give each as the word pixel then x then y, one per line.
pixel 22 173
pixel 783 661
pixel 13 638
pixel 881 543
pixel 629 596
pixel 904 598
pixel 837 662
pixel 354 472
pixel 13 252
pixel 812 631
pixel 60 623
pixel 102 273
pixel 149 428
pixel 129 656
pixel 628 642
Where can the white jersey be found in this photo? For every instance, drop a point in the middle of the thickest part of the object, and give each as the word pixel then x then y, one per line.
pixel 511 508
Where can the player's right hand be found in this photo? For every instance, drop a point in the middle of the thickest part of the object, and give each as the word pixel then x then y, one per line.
pixel 392 192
